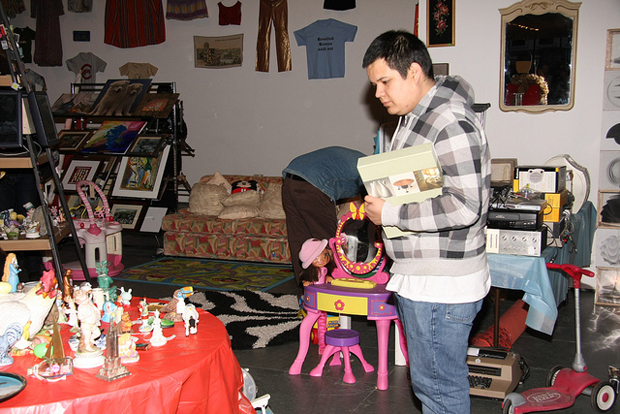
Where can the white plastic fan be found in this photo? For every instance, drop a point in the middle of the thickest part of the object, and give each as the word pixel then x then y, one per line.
pixel 581 178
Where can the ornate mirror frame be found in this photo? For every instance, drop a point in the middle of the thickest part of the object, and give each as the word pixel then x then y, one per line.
pixel 538 8
pixel 346 267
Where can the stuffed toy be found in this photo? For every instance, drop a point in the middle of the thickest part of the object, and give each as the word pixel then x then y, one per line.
pixel 242 185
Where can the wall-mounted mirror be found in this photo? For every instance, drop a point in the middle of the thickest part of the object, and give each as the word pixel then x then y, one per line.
pixel 539 50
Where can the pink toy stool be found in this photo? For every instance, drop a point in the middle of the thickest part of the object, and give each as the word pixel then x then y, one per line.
pixel 345 340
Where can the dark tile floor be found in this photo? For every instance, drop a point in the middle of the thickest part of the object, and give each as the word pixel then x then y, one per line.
pixel 303 394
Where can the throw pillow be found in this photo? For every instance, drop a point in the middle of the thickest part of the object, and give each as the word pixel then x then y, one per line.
pixel 238 212
pixel 245 198
pixel 206 199
pixel 271 207
pixel 216 179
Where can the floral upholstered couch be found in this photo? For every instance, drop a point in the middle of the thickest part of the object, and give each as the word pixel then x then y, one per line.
pixel 247 226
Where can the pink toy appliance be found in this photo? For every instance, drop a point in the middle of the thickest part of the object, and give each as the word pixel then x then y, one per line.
pixel 100 237
pixel 564 385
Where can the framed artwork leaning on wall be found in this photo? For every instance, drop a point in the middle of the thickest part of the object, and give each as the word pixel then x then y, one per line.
pixel 140 177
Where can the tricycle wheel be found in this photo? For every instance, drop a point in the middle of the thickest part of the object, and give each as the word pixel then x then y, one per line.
pixel 603 396
pixel 508 408
pixel 553 374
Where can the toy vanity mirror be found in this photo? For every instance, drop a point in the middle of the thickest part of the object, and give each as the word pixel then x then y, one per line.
pixel 539 50
pixel 358 249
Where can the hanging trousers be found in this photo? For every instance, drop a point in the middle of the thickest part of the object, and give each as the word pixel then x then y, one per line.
pixel 275 11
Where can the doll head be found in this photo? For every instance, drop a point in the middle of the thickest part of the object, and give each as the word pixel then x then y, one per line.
pixel 314 255
pixel 313 250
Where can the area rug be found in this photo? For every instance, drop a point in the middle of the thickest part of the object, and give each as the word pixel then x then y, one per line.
pixel 253 319
pixel 209 274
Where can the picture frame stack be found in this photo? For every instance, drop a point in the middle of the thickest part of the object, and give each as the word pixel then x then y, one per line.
pixel 123 151
pixel 607 247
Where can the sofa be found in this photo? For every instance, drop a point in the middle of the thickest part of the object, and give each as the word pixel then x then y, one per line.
pixel 248 225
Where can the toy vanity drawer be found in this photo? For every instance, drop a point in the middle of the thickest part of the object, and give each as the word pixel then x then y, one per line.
pixel 342 304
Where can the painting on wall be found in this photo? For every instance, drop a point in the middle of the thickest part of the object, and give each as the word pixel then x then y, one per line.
pixel 218 52
pixel 440 23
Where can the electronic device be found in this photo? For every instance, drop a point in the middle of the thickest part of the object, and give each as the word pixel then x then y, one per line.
pixel 43 119
pixel 519 242
pixel 493 373
pixel 10 119
pixel 514 219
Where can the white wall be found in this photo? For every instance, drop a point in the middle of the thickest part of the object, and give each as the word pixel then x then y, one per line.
pixel 246 122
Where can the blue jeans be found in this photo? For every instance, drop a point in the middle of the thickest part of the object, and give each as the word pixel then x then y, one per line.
pixel 437 339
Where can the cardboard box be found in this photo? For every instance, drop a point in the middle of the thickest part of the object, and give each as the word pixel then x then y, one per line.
pixel 556 200
pixel 408 175
pixel 545 179
pixel 556 204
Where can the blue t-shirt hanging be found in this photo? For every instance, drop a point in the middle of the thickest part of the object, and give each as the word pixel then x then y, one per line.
pixel 325 41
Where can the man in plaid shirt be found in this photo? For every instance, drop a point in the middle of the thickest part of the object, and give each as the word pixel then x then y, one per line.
pixel 440 272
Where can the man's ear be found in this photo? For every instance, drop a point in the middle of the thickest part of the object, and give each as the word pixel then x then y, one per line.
pixel 416 72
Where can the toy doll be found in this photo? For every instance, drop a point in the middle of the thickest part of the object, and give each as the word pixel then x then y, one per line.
pixel 317 261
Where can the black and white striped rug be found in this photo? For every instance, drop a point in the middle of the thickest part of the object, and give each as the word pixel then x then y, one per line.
pixel 253 319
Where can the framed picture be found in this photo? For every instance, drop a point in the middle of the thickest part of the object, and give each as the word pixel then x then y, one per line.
pixel 607 248
pixel 74 103
pixel 120 97
pixel 113 137
pixel 152 219
pixel 72 141
pixel 440 23
pixel 608 209
pixel 147 146
pixel 607 286
pixel 612 60
pixel 218 52
pixel 77 207
pixel 140 177
pixel 441 69
pixel 78 170
pixel 156 105
pixel 129 214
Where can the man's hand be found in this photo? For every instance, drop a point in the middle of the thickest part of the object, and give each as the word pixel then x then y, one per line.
pixel 373 207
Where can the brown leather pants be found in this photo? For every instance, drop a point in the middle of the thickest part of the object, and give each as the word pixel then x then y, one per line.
pixel 275 11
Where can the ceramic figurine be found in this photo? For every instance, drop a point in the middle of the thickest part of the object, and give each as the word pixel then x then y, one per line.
pixel 90 319
pixel 127 348
pixel 126 296
pixel 109 311
pixel 11 335
pixel 190 317
pixel 157 337
pixel 11 271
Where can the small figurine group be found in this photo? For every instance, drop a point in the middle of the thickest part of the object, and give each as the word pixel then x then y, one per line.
pixel 13 224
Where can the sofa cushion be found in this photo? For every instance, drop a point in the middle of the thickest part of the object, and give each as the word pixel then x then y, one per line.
pixel 238 212
pixel 206 199
pixel 244 198
pixel 271 206
pixel 217 179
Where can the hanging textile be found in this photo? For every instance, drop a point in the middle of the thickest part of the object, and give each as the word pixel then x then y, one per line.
pixel 186 9
pixel 13 7
pixel 47 41
pixel 134 23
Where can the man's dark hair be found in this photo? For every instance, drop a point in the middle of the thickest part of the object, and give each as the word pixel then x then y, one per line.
pixel 399 49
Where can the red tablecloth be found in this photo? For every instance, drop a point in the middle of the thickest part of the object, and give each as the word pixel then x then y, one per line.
pixel 195 374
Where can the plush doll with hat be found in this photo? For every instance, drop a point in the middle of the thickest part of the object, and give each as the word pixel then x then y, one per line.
pixel 317 261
